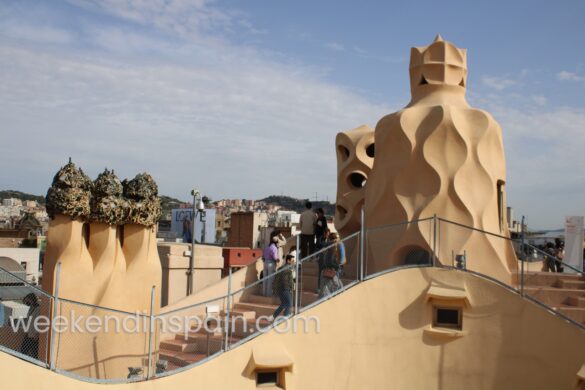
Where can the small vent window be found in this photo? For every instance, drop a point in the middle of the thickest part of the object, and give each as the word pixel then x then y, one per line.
pixel 447 317
pixel 267 378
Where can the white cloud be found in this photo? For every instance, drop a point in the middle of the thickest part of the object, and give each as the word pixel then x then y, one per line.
pixel 570 76
pixel 232 124
pixel 498 83
pixel 335 46
pixel 36 33
pixel 193 19
pixel 544 153
pixel 539 100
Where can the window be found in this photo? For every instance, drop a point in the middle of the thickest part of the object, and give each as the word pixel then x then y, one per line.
pixel 447 317
pixel 267 378
pixel 501 205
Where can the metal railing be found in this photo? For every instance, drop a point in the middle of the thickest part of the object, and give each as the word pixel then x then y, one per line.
pixel 163 346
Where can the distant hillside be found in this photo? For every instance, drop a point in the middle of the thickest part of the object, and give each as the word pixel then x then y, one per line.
pixel 21 195
pixel 167 204
pixel 298 205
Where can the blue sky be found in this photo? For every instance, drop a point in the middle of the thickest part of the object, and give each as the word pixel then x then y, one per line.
pixel 244 98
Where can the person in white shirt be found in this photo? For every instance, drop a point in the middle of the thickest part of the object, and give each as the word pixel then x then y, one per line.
pixel 308 221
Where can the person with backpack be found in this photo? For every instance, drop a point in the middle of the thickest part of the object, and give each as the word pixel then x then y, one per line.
pixel 283 286
pixel 333 268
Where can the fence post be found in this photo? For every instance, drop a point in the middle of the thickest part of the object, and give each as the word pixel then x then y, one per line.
pixel 53 363
pixel 523 259
pixel 362 242
pixel 227 311
pixel 150 329
pixel 434 240
pixel 297 276
pixel 438 237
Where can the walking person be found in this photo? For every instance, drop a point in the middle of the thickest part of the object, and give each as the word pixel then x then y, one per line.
pixel 320 228
pixel 308 221
pixel 333 268
pixel 549 261
pixel 30 343
pixel 322 257
pixel 559 254
pixel 270 258
pixel 283 287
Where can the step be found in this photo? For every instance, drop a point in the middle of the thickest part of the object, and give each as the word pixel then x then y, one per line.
pixel 247 314
pixel 260 309
pixel 574 313
pixel 201 343
pixel 307 296
pixel 241 329
pixel 181 359
pixel 214 324
pixel 179 345
pixel 576 301
pixel 548 278
pixel 574 284
pixel 553 296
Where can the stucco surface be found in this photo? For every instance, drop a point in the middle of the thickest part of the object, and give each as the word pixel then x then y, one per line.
pixel 437 156
pixel 374 337
pixel 115 267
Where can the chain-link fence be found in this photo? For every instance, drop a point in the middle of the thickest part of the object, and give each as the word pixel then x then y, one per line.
pixel 108 345
pixel 548 280
pixel 189 335
pixel 487 253
pixel 101 344
pixel 253 308
pixel 334 267
pixel 403 244
pixel 24 319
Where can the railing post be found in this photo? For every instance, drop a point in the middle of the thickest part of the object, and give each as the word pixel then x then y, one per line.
pixel 434 240
pixel 438 237
pixel 362 242
pixel 227 311
pixel 53 363
pixel 523 258
pixel 150 329
pixel 298 260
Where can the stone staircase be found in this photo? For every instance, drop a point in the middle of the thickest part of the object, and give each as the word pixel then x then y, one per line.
pixel 184 349
pixel 563 292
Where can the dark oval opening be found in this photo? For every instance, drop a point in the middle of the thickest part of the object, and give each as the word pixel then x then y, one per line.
pixel 371 150
pixel 357 180
pixel 417 256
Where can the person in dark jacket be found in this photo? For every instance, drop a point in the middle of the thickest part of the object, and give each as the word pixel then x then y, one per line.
pixel 321 228
pixel 283 286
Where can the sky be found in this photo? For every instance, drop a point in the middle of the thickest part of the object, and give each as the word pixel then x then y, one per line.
pixel 243 99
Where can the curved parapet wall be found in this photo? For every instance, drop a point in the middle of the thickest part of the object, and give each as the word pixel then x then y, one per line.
pixel 439 156
pixel 367 341
pixel 103 233
pixel 355 156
